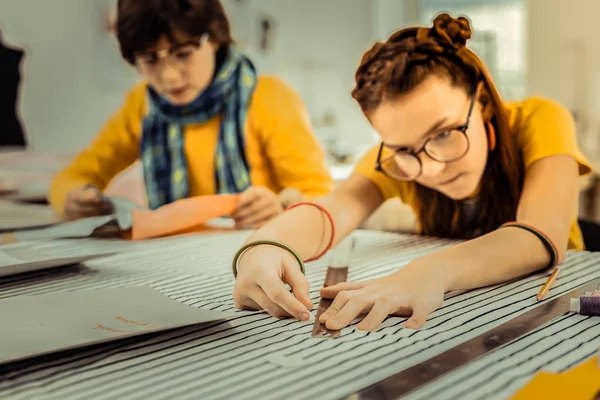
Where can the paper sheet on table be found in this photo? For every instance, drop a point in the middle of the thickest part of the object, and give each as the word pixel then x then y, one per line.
pixel 19 260
pixel 74 229
pixel 123 211
pixel 37 325
pixel 122 218
pixel 581 382
pixel 182 215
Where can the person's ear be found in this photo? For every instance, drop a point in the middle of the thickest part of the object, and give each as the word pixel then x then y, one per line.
pixel 484 98
pixel 491 135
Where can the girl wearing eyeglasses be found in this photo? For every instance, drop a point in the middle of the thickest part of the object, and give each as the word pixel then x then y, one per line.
pixel 502 176
pixel 202 122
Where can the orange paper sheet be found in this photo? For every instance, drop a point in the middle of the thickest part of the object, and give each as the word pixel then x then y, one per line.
pixel 181 216
pixel 579 383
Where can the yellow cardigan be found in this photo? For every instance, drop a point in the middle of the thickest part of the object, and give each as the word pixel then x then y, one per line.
pixel 281 149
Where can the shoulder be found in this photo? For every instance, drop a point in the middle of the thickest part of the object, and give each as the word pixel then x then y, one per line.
pixel 132 110
pixel 136 95
pixel 542 128
pixel 538 112
pixel 133 106
pixel 274 104
pixel 270 83
pixel 273 90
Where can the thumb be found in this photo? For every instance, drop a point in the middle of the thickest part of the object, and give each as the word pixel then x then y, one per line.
pixel 91 194
pixel 418 317
pixel 294 277
pixel 247 196
pixel 289 196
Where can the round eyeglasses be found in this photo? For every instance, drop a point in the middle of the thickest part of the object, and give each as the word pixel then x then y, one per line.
pixel 180 55
pixel 448 146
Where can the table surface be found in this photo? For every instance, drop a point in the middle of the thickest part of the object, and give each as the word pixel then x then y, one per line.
pixel 255 356
pixel 14 216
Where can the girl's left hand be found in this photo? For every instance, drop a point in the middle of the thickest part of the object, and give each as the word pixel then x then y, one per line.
pixel 411 291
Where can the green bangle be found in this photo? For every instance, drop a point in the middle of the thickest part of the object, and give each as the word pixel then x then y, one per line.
pixel 262 242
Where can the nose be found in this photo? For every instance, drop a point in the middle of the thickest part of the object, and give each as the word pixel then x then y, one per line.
pixel 430 167
pixel 169 74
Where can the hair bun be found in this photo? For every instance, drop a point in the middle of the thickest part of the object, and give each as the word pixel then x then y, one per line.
pixel 455 31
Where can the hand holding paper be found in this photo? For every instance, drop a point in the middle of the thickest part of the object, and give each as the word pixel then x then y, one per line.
pixel 256 207
pixel 86 202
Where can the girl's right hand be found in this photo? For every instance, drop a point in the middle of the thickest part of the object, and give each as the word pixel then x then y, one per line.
pixel 86 202
pixel 263 272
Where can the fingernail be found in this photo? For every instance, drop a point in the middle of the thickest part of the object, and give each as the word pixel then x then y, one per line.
pixel 304 316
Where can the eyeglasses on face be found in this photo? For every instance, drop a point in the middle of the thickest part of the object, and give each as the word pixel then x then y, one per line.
pixel 180 55
pixel 447 146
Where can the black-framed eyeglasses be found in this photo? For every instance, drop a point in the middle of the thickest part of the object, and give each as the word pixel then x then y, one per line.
pixel 180 54
pixel 447 146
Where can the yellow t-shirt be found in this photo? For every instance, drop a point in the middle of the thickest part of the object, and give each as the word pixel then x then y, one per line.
pixel 541 127
pixel 281 149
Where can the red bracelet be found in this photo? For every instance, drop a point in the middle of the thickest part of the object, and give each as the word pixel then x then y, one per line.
pixel 548 243
pixel 328 214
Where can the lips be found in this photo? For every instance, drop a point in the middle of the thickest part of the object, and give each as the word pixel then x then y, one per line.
pixel 177 92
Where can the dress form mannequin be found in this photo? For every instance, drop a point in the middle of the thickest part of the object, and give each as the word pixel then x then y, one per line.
pixel 11 131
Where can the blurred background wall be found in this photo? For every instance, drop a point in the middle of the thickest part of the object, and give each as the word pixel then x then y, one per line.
pixel 73 77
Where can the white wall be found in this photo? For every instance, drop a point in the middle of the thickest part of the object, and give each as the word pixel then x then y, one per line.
pixel 72 78
pixel 316 48
pixel 499 38
pixel 564 59
pixel 392 15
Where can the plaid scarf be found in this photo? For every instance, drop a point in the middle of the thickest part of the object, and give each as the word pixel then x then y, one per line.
pixel 162 144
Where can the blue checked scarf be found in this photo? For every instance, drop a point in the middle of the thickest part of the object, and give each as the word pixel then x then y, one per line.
pixel 162 144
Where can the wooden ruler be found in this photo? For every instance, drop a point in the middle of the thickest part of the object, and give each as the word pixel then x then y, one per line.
pixel 421 374
pixel 334 276
pixel 337 272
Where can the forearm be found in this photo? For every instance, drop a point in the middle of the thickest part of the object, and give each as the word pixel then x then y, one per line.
pixel 307 229
pixel 61 185
pixel 499 256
